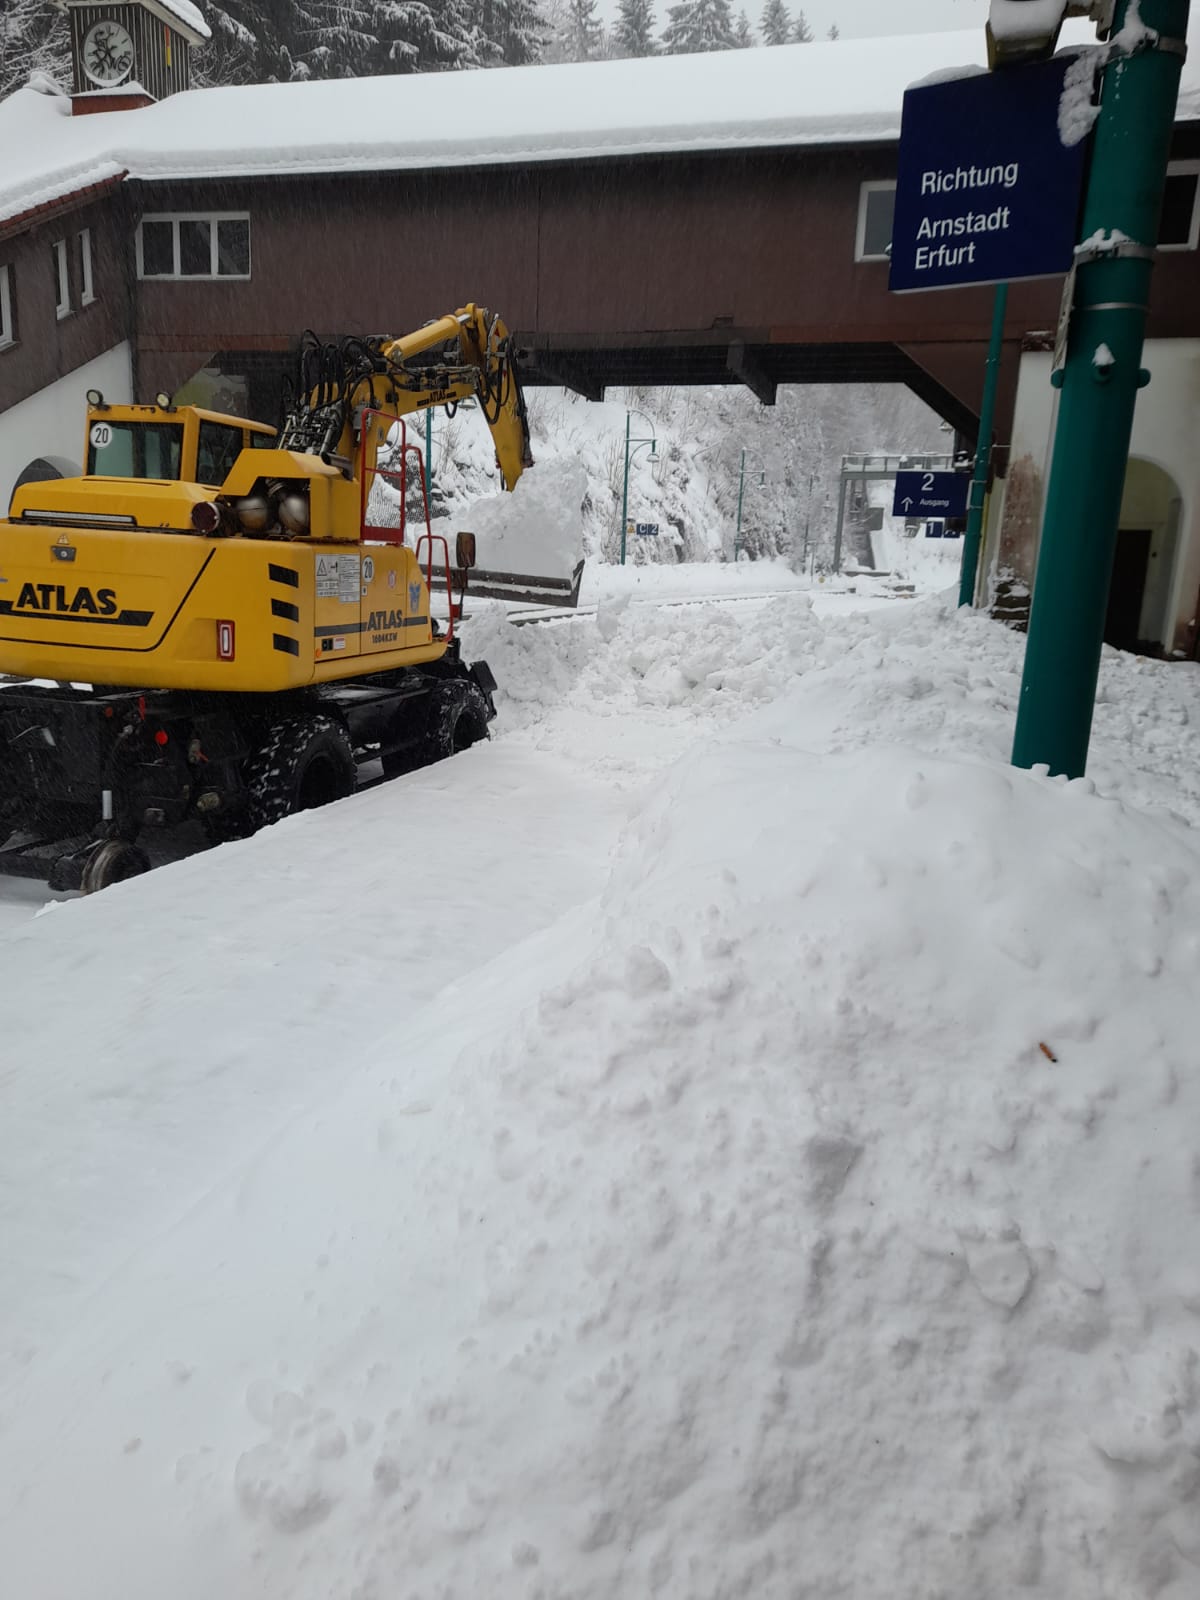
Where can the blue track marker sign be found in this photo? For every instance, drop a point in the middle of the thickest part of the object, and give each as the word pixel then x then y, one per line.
pixel 931 494
pixel 986 190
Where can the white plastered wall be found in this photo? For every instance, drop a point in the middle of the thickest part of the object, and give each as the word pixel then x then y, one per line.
pixel 51 422
pixel 1166 433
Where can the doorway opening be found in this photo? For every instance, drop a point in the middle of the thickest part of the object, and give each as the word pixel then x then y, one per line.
pixel 1139 616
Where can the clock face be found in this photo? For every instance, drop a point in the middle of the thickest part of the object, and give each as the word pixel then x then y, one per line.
pixel 107 53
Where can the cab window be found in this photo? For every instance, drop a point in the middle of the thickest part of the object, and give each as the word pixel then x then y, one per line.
pixel 135 449
pixel 220 447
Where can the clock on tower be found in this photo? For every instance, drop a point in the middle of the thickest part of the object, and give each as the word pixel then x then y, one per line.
pixel 141 46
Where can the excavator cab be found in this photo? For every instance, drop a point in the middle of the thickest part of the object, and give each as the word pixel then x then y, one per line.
pixel 166 443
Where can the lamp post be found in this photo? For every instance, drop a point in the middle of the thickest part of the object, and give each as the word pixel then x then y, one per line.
pixel 762 478
pixel 1099 384
pixel 631 449
pixel 812 478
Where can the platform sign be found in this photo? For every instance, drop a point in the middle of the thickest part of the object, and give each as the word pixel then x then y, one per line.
pixel 646 530
pixel 986 192
pixel 931 494
pixel 935 530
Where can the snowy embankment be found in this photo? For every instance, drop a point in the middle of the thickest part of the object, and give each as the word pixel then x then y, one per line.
pixel 802 1199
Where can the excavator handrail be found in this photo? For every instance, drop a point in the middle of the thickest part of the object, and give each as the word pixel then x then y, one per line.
pixel 431 539
pixel 371 532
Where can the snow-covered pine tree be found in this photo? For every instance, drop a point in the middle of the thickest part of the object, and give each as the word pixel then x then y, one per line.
pixel 512 33
pixel 367 38
pixel 633 34
pixel 743 33
pixel 256 41
pixel 34 37
pixel 581 33
pixel 834 31
pixel 801 32
pixel 776 23
pixel 694 26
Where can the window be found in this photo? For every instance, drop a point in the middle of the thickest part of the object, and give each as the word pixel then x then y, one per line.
pixel 86 292
pixel 62 279
pixel 134 449
pixel 1180 225
pixel 194 246
pixel 876 208
pixel 219 448
pixel 7 330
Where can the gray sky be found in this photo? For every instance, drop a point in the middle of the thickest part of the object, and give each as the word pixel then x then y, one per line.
pixel 860 18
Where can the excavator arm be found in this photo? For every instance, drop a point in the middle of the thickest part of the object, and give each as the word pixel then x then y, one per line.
pixel 468 356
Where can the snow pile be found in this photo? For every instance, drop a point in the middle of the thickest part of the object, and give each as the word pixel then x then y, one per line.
pixel 810 1207
pixel 705 659
pixel 538 528
pixel 1078 107
pixel 1026 21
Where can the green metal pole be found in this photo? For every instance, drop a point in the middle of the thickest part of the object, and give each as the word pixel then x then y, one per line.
pixel 625 492
pixel 737 537
pixel 1099 386
pixel 983 452
pixel 428 450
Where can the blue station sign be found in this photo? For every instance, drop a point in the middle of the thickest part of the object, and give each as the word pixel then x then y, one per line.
pixel 986 191
pixel 931 494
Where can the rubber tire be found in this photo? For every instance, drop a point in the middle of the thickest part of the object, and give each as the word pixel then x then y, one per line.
pixel 458 723
pixel 303 762
pixel 111 862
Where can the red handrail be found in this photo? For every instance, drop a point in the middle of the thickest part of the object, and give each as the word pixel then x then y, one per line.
pixel 369 533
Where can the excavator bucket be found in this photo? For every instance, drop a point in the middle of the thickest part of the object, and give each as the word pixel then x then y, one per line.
pixel 520 588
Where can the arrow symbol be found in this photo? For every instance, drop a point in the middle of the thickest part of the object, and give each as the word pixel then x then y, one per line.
pixel 906 502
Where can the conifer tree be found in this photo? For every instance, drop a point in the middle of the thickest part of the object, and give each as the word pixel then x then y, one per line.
pixel 776 23
pixel 633 34
pixel 801 32
pixel 743 33
pixel 834 31
pixel 581 35
pixel 694 26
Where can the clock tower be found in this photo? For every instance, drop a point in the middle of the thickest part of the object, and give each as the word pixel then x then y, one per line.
pixel 121 47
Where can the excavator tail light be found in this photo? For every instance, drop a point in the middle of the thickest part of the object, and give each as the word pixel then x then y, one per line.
pixel 225 641
pixel 206 518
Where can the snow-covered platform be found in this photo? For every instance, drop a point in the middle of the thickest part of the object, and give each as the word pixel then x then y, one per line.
pixel 731 1126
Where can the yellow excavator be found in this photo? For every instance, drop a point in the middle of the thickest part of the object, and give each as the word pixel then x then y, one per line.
pixel 220 622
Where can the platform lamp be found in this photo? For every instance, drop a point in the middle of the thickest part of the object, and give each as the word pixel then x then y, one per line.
pixel 1019 31
pixel 632 446
pixel 762 478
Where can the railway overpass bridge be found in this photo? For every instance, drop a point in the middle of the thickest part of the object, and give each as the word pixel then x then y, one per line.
pixel 707 219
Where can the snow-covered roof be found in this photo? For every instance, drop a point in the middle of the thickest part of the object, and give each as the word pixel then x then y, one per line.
pixel 183 11
pixel 841 92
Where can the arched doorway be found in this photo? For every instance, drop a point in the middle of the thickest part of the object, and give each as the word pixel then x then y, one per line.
pixel 1139 598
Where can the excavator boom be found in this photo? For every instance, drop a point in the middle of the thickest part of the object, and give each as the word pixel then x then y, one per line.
pixel 473 360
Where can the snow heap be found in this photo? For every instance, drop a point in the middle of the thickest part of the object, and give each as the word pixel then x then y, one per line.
pixel 815 1210
pixel 538 528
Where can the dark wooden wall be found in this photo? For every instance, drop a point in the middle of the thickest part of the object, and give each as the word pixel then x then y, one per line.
pixel 642 269
pixel 46 347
